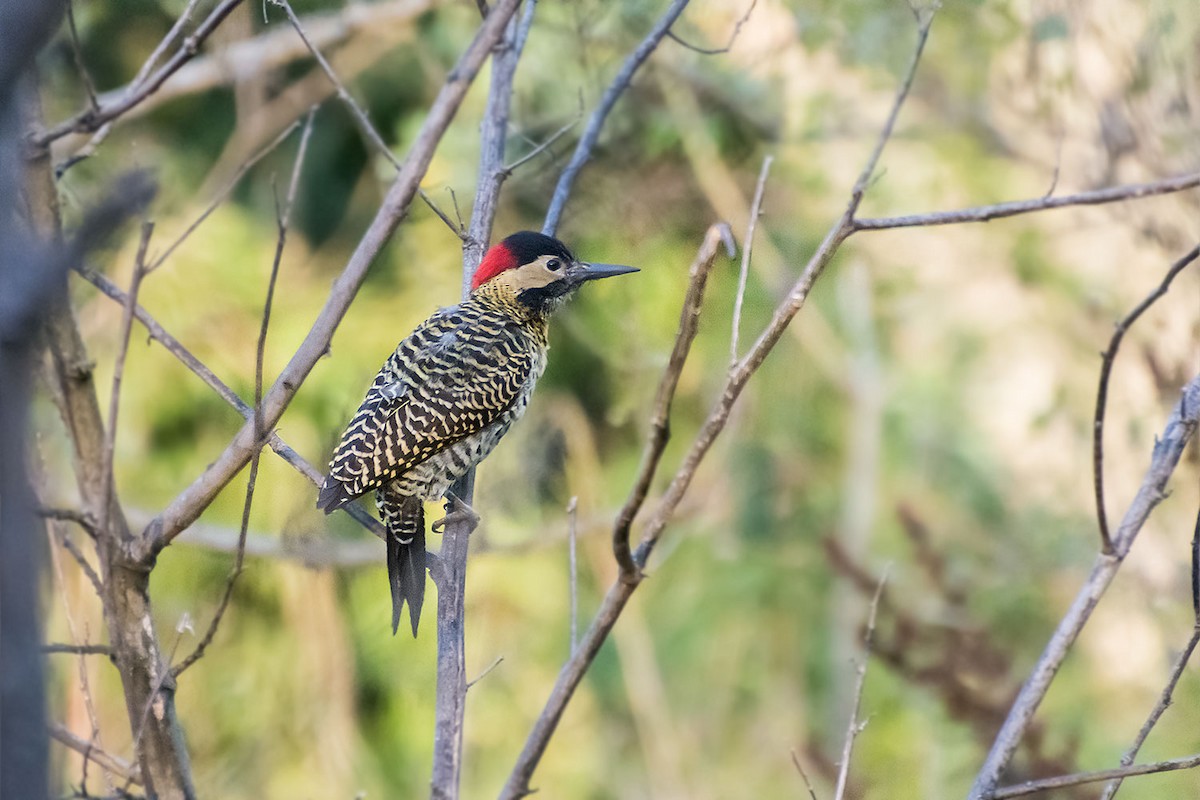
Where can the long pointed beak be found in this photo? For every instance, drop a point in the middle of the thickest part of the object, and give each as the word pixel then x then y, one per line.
pixel 581 271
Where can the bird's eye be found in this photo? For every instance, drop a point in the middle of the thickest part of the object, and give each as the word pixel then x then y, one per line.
pixel 554 265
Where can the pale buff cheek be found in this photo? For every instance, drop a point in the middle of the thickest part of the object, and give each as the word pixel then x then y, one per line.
pixel 534 275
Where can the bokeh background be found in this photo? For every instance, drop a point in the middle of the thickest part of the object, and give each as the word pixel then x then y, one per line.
pixel 929 411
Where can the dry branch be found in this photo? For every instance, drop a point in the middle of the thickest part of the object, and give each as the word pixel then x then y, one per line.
pixel 1063 781
pixel 78 649
pixel 1180 427
pixel 1156 713
pixel 1110 356
pixel 660 416
pixel 747 250
pixel 854 727
pixel 249 58
pixel 102 758
pixel 1112 194
pixel 90 119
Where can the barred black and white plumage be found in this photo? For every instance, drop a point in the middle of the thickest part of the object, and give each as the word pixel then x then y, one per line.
pixel 447 395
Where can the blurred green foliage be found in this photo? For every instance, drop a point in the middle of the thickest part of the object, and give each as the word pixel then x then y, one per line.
pixel 977 358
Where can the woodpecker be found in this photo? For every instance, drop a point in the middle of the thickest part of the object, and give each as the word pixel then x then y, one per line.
pixel 449 392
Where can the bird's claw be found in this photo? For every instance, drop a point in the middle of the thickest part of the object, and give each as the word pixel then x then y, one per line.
pixel 456 511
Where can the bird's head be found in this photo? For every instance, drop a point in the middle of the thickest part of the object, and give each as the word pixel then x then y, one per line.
pixel 538 271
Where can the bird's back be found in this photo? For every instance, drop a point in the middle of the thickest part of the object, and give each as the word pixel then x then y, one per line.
pixel 461 378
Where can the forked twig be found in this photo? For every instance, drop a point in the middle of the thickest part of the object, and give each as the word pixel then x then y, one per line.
pixel 1156 713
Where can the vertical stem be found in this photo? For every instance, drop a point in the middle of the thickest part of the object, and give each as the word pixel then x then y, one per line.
pixel 451 652
pixel 451 656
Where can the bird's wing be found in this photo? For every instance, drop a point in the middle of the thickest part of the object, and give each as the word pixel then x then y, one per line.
pixel 453 376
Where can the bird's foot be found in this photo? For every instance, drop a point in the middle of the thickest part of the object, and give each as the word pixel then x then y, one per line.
pixel 456 511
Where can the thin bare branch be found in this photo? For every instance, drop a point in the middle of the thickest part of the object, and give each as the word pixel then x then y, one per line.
pixel 90 120
pixel 573 568
pixel 105 760
pixel 812 793
pixel 591 133
pixel 250 58
pixel 188 504
pixel 704 51
pixel 544 146
pixel 1156 713
pixel 924 23
pixel 1110 356
pixel 1079 779
pixel 854 727
pixel 660 416
pixel 78 649
pixel 222 195
pixel 747 249
pixel 77 54
pixel 457 230
pixel 1112 194
pixel 69 545
pixel 283 218
pixel 360 116
pixel 497 662
pixel 85 152
pixel 114 403
pixel 173 34
pixel 1180 427
pixel 70 515
pixel 1196 567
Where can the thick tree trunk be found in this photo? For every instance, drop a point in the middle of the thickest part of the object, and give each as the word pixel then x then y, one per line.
pixel 149 691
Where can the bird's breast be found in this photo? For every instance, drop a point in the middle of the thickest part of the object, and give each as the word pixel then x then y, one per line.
pixel 432 478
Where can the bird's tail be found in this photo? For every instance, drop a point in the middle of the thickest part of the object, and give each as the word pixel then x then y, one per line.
pixel 404 519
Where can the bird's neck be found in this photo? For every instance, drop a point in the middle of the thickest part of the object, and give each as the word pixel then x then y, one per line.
pixel 501 299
